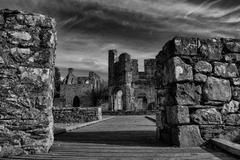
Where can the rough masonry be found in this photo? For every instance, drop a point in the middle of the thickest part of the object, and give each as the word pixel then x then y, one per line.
pixel 27 55
pixel 198 90
pixel 129 89
pixel 77 114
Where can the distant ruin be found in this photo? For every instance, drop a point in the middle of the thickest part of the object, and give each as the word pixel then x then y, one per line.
pixel 27 55
pixel 129 89
pixel 74 90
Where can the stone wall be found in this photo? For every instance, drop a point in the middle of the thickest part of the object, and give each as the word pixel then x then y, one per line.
pixel 77 115
pixel 82 89
pixel 27 55
pixel 198 90
pixel 69 92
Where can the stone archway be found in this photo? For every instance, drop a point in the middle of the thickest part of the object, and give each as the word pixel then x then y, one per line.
pixel 142 101
pixel 76 101
pixel 118 100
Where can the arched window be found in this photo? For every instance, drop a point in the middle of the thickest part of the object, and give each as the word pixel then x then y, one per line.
pixel 118 103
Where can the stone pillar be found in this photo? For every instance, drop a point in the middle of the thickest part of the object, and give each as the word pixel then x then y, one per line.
pixel 27 55
pixel 198 95
pixel 134 70
pixel 112 56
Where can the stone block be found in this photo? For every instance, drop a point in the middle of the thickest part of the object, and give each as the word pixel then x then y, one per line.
pixel 178 46
pixel 184 94
pixel 185 46
pixel 210 49
pixel 177 115
pixel 236 93
pixel 235 81
pixel 20 35
pixel 232 119
pixel 232 57
pixel 225 70
pixel 187 136
pixel 206 116
pixel 176 71
pixel 231 107
pixel 203 67
pixel 216 89
pixel 39 20
pixel 211 131
pixel 200 78
pixel 231 45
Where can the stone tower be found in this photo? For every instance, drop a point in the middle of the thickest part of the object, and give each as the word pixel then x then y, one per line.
pixel 126 88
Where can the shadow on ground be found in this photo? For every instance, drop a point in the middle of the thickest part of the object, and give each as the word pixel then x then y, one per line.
pixel 126 138
pixel 132 138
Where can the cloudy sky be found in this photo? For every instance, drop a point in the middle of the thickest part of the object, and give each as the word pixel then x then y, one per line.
pixel 87 29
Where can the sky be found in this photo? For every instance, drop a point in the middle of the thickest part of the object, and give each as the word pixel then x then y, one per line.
pixel 87 29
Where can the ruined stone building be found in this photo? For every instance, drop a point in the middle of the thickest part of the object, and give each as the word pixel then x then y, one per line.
pixel 195 84
pixel 75 91
pixel 130 89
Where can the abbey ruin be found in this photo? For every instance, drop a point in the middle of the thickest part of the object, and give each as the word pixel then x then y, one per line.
pixel 75 89
pixel 129 89
pixel 193 84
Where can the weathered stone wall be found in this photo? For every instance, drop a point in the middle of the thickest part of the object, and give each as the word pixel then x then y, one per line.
pixel 69 92
pixel 27 55
pixel 198 90
pixel 77 115
pixel 81 89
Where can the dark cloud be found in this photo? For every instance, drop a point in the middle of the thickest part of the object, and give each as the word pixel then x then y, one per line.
pixel 87 29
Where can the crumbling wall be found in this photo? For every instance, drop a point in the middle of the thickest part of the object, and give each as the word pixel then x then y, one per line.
pixel 82 91
pixel 198 90
pixel 27 55
pixel 77 115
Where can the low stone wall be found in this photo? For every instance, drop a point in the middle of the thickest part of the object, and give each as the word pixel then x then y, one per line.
pixel 198 90
pixel 76 115
pixel 27 55
pixel 140 112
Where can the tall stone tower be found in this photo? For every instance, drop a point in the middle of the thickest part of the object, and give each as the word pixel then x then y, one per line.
pixel 112 58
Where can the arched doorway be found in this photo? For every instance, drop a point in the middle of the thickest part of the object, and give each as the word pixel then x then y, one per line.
pixel 76 101
pixel 118 103
pixel 142 102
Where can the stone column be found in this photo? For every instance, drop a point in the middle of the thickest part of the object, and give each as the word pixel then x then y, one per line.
pixel 27 55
